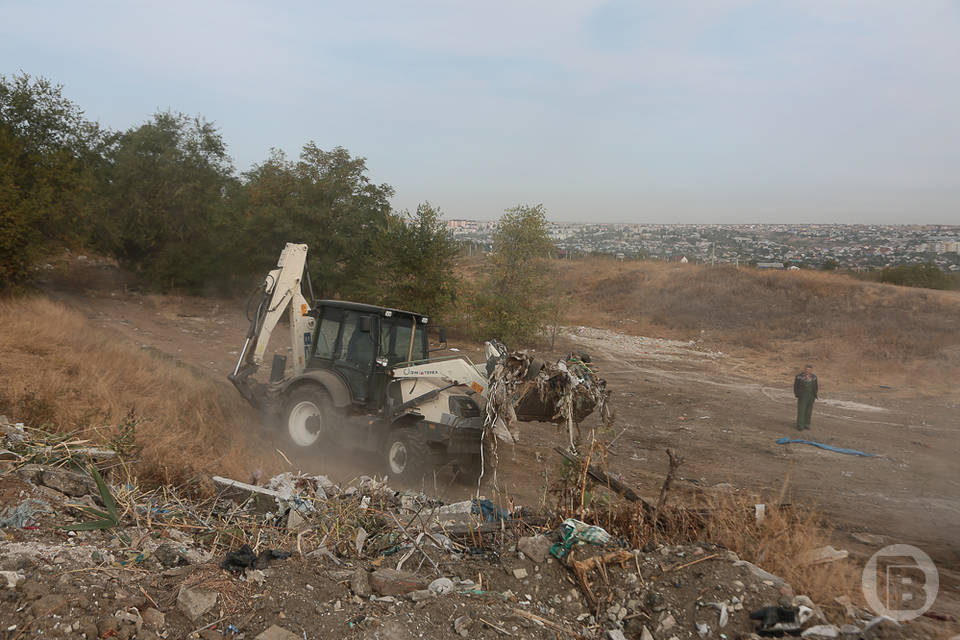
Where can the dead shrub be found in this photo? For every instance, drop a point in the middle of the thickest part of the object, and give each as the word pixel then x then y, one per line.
pixel 775 542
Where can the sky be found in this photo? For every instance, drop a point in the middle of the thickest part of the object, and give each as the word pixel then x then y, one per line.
pixel 709 111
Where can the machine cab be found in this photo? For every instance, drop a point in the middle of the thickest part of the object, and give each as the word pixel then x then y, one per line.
pixel 360 342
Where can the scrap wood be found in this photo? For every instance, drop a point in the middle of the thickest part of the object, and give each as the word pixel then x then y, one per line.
pixel 152 601
pixel 493 527
pixel 677 567
pixel 639 614
pixel 209 625
pixel 620 557
pixel 606 479
pixel 495 627
pixel 636 561
pixel 547 623
pixel 37 619
pixel 93 452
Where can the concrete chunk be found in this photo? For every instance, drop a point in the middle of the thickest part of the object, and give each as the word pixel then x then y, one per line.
pixel 760 573
pixel 12 578
pixel 154 619
pixel 277 633
pixel 194 601
pixel 262 499
pixel 822 555
pixel 537 548
pixel 360 583
pixel 69 483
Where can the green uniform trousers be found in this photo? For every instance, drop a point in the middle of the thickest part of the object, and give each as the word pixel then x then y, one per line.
pixel 804 410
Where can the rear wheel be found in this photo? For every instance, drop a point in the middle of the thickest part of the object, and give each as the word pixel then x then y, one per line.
pixel 307 416
pixel 407 453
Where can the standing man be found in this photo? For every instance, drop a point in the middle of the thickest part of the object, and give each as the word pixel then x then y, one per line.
pixel 805 388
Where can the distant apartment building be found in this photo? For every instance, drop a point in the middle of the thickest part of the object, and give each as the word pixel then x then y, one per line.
pixel 945 247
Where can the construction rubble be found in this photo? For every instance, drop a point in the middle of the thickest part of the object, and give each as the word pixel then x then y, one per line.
pixel 300 556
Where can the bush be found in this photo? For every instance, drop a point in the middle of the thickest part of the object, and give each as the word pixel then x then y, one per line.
pixel 926 275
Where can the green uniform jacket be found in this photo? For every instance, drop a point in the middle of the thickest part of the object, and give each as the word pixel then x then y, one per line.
pixel 803 387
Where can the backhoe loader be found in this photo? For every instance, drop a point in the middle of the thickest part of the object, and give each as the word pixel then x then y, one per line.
pixel 361 376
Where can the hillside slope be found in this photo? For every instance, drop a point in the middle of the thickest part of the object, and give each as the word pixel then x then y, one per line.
pixel 858 332
pixel 71 376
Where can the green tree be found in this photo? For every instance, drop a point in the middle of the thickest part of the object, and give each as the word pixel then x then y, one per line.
pixel 49 154
pixel 513 303
pixel 829 265
pixel 325 200
pixel 926 275
pixel 167 187
pixel 412 263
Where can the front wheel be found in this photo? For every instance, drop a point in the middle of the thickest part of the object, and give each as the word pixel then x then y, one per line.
pixel 407 454
pixel 307 416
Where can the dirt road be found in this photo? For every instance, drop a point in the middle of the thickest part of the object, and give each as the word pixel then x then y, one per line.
pixel 677 395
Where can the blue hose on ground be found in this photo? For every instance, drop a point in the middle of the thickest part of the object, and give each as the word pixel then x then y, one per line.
pixel 828 447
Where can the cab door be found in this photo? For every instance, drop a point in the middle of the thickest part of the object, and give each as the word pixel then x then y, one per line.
pixel 356 352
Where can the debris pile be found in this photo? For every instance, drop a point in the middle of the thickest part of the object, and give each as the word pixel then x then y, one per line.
pixel 523 388
pixel 304 557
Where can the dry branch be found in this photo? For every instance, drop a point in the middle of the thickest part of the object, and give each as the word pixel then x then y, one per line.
pixel 581 567
pixel 606 479
pixel 675 461
pixel 547 623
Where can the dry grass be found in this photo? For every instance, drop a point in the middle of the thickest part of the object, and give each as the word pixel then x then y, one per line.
pixel 744 306
pixel 58 371
pixel 775 542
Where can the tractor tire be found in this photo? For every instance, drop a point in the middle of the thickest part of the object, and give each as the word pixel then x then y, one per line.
pixel 307 416
pixel 407 454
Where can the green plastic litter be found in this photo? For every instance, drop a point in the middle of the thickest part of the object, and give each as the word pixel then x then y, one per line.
pixel 577 532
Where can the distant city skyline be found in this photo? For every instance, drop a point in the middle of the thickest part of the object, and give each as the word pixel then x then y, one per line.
pixel 729 111
pixel 854 246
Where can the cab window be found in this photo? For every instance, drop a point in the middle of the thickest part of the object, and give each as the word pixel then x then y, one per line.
pixel 327 333
pixel 400 344
pixel 356 346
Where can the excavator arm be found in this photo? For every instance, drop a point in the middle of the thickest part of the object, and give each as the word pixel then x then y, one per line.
pixel 282 293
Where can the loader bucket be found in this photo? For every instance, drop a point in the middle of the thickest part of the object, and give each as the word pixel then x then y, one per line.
pixel 544 398
pixel 562 392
